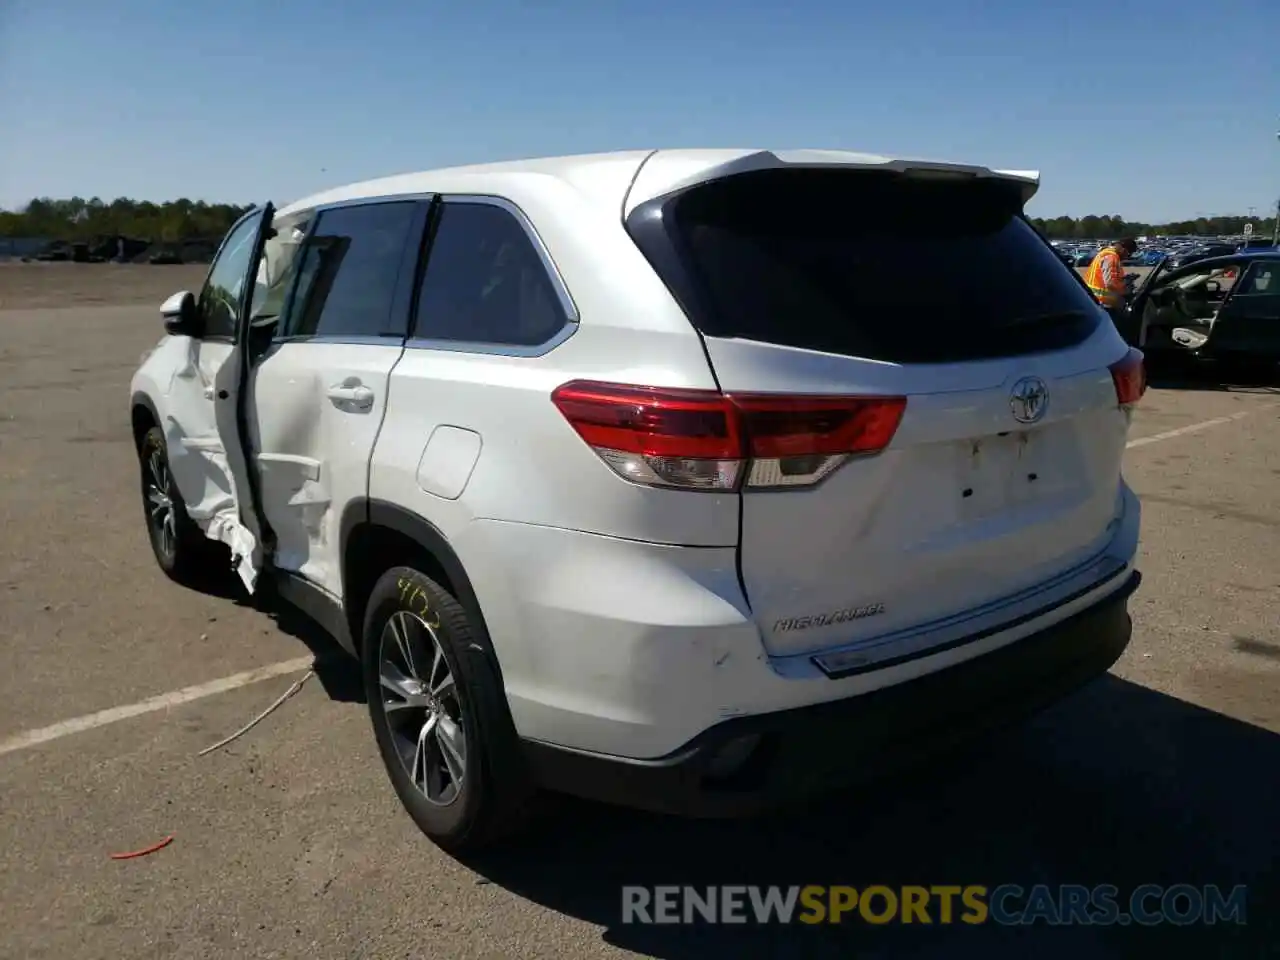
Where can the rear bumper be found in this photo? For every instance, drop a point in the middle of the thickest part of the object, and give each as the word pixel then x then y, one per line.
pixel 814 749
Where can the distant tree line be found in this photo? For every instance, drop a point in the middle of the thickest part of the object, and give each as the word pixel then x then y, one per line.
pixel 1108 228
pixel 78 219
pixel 177 220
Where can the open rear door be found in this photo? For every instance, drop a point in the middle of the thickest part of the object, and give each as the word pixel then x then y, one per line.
pixel 243 528
pixel 1248 321
pixel 202 421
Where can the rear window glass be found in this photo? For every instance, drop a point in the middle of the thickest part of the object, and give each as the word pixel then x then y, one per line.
pixel 877 265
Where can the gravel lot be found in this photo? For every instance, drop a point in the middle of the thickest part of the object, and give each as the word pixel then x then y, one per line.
pixel 41 285
pixel 290 843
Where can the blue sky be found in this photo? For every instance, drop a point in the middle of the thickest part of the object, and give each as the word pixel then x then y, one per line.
pixel 1154 110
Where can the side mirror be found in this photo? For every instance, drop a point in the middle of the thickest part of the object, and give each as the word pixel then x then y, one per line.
pixel 180 316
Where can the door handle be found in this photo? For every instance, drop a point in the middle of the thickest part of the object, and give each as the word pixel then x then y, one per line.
pixel 356 395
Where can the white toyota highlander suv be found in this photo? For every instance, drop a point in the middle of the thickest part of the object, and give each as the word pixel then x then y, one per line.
pixel 697 480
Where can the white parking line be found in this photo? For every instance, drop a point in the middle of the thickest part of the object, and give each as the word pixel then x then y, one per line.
pixel 162 701
pixel 1182 431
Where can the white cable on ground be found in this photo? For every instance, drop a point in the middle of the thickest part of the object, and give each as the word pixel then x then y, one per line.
pixel 262 716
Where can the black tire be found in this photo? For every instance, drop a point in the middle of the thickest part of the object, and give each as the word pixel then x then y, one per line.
pixel 185 554
pixel 493 798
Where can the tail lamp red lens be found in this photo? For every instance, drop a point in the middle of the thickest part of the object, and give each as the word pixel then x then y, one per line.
pixel 1130 377
pixel 703 439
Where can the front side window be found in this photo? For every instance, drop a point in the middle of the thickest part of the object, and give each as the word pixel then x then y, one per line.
pixel 348 272
pixel 485 282
pixel 219 302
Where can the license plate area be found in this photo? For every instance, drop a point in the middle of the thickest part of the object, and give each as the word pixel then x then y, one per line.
pixel 998 472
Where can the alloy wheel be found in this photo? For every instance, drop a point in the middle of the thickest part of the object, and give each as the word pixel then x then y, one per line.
pixel 420 700
pixel 160 513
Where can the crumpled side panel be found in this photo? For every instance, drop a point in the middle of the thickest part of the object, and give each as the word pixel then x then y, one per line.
pixel 203 475
pixel 201 470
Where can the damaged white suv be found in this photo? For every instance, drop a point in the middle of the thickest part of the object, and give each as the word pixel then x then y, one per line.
pixel 695 480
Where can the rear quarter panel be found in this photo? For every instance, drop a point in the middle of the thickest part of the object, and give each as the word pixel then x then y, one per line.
pixel 531 469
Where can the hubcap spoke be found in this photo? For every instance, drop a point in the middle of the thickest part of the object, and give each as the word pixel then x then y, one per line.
pixel 397 706
pixel 421 773
pixel 437 657
pixel 444 688
pixel 407 689
pixel 403 644
pixel 449 736
pixel 158 472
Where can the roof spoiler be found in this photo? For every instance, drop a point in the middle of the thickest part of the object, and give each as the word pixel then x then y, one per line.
pixel 666 172
pixel 1029 180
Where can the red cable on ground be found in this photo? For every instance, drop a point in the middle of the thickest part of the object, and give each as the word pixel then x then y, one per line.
pixel 145 850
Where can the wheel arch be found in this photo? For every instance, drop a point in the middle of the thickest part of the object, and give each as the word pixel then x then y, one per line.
pixel 142 416
pixel 396 535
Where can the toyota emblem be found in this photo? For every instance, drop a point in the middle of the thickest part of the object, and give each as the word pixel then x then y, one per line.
pixel 1029 400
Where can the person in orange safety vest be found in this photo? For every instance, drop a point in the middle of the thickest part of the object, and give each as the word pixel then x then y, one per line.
pixel 1105 276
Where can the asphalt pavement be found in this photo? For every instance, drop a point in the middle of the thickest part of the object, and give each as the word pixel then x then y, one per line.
pixel 289 842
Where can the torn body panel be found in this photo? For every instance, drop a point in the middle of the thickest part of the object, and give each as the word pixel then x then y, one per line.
pixel 202 468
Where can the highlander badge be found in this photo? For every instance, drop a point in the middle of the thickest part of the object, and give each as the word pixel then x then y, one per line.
pixel 828 619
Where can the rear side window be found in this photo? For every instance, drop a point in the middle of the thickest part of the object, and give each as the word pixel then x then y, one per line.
pixel 349 266
pixel 485 282
pixel 873 265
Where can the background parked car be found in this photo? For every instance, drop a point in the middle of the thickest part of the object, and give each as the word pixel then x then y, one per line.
pixel 1221 308
pixel 1203 252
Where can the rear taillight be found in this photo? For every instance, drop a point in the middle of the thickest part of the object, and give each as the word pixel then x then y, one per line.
pixel 706 440
pixel 672 438
pixel 1130 377
pixel 796 441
